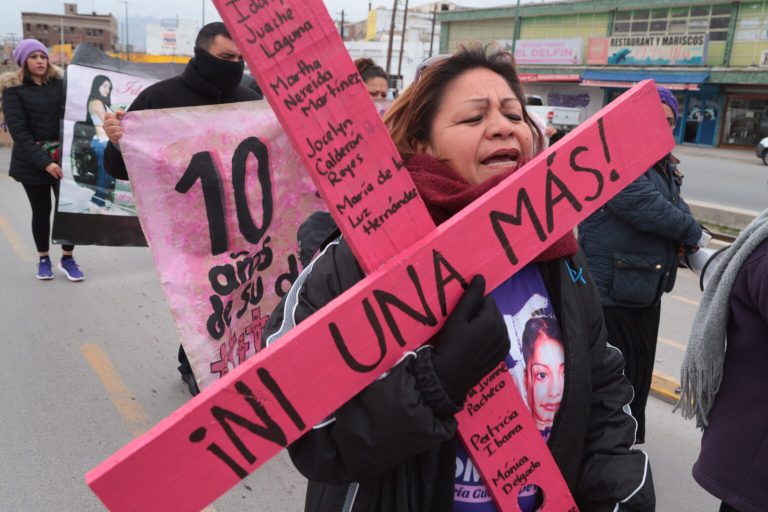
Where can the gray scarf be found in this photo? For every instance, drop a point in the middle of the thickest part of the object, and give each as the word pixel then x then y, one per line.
pixel 702 368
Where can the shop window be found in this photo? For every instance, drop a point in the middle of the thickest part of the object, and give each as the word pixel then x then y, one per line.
pixel 746 121
pixel 678 26
pixel 640 15
pixel 621 28
pixel 659 13
pixel 700 11
pixel 698 25
pixel 623 16
pixel 639 26
pixel 719 23
pixel 718 36
pixel 721 9
pixel 659 26
pixel 679 13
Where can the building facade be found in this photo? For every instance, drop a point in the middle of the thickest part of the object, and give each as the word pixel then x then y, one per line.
pixel 71 28
pixel 172 37
pixel 585 53
pixel 370 38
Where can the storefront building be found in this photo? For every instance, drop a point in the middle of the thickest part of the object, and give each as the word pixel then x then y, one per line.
pixel 584 54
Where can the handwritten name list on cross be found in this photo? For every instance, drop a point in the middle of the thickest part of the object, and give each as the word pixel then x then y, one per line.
pixel 333 123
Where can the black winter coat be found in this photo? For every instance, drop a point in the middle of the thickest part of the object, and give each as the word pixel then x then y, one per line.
pixel 392 448
pixel 33 114
pixel 631 243
pixel 187 90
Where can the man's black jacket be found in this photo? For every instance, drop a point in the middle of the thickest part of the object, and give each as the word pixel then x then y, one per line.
pixel 187 90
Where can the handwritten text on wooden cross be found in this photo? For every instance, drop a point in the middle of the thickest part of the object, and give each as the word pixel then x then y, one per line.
pixel 209 444
pixel 415 271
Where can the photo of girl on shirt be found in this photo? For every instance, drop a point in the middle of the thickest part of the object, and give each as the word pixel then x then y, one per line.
pixel 536 362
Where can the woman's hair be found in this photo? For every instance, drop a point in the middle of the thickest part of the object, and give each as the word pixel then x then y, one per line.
pixel 368 69
pixel 533 329
pixel 50 73
pixel 410 117
pixel 95 94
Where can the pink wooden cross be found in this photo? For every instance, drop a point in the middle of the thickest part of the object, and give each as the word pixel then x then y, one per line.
pixel 263 405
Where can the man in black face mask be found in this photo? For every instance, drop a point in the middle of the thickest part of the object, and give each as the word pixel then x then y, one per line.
pixel 212 77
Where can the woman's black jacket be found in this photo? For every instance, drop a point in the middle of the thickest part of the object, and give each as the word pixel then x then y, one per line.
pixel 33 114
pixel 392 447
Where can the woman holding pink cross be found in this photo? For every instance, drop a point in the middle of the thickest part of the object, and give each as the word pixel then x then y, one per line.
pixel 461 129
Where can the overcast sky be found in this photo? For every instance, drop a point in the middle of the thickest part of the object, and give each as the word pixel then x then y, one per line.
pixel 10 21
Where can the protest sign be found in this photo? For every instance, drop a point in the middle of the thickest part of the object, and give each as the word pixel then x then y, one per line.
pixel 93 207
pixel 263 405
pixel 220 193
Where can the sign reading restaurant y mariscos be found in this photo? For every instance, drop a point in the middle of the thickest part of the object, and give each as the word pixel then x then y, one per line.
pixel 669 50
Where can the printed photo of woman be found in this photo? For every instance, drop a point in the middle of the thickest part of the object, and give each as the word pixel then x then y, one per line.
pixel 99 104
pixel 544 370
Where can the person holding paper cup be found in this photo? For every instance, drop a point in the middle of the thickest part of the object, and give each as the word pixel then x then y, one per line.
pixel 461 128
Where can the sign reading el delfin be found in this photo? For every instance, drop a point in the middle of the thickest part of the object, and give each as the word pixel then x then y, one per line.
pixel 672 50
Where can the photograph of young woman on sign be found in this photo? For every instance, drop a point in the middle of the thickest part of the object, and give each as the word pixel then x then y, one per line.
pixel 99 104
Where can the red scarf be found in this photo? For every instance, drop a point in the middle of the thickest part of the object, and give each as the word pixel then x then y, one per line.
pixel 446 193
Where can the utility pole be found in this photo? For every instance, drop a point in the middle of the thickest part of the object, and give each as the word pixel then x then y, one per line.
pixel 391 36
pixel 127 43
pixel 517 27
pixel 203 13
pixel 61 40
pixel 432 37
pixel 342 24
pixel 402 40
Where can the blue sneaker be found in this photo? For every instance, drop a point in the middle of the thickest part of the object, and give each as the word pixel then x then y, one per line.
pixel 71 270
pixel 44 270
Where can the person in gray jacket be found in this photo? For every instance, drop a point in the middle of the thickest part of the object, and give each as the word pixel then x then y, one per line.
pixel 632 244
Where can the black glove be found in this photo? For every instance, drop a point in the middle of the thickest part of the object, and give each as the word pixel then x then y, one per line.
pixel 472 342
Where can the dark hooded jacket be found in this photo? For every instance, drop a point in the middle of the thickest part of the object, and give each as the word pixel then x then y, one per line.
pixel 632 242
pixel 33 114
pixel 392 448
pixel 190 89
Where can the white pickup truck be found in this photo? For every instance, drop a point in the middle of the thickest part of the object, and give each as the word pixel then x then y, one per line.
pixel 564 119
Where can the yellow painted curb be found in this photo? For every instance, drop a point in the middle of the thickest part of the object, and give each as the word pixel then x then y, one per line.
pixel 664 387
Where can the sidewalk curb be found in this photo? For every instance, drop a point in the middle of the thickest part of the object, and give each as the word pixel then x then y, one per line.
pixel 664 387
pixel 736 218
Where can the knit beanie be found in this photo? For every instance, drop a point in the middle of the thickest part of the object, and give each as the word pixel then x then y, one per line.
pixel 668 99
pixel 26 48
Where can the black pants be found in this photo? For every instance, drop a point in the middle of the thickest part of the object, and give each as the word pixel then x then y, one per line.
pixel 40 200
pixel 724 507
pixel 634 331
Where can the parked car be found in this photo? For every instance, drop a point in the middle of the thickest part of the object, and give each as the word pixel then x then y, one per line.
pixel 762 150
pixel 564 119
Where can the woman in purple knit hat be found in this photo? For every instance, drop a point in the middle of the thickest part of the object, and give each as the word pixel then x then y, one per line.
pixel 33 105
pixel 632 245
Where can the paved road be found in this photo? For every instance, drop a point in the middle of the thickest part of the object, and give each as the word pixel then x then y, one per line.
pixel 88 366
pixel 725 177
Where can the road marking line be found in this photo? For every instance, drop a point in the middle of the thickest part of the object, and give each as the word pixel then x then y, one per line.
pixel 685 300
pixel 15 240
pixel 672 343
pixel 122 398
